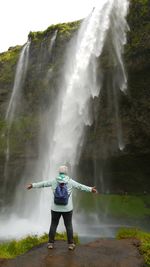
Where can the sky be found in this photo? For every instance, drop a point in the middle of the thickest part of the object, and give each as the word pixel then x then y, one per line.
pixel 19 17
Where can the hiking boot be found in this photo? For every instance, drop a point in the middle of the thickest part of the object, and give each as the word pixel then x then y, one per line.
pixel 50 245
pixel 71 246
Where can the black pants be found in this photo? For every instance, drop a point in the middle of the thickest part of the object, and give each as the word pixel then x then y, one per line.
pixel 67 217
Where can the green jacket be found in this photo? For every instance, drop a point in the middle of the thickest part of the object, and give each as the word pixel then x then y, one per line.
pixel 71 184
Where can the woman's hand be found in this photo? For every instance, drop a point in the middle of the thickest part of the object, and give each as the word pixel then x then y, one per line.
pixel 29 186
pixel 94 190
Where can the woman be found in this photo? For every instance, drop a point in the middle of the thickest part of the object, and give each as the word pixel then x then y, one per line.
pixel 62 205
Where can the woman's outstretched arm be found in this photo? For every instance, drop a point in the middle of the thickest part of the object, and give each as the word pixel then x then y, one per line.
pixel 83 187
pixel 39 184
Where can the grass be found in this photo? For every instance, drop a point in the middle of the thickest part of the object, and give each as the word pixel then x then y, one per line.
pixel 140 235
pixel 117 206
pixel 15 248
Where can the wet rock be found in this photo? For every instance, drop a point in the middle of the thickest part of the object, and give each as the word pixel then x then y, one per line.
pixel 101 253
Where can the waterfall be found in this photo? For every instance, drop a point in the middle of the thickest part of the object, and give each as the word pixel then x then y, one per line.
pixel 52 42
pixel 18 83
pixel 118 40
pixel 45 53
pixel 20 76
pixel 81 82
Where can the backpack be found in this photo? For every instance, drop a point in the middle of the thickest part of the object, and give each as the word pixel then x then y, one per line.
pixel 61 195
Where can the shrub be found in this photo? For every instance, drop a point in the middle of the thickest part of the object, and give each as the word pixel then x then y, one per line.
pixel 140 235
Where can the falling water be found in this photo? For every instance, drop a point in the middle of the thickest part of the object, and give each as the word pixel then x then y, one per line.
pixel 18 83
pixel 17 214
pixel 49 55
pixel 14 100
pixel 82 82
pixel 52 42
pixel 80 86
pixel 118 40
pixel 45 53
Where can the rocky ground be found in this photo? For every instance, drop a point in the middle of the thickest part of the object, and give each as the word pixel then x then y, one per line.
pixel 101 253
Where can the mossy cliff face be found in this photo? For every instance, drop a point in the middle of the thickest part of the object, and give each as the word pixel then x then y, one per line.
pixel 125 170
pixel 38 93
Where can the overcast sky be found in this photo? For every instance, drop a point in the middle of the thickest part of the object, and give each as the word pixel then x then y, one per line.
pixel 19 17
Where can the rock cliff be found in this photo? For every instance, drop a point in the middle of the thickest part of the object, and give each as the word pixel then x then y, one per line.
pixel 121 170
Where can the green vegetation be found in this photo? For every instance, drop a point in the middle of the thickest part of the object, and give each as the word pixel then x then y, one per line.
pixel 10 54
pixel 140 235
pixel 23 131
pixel 117 206
pixel 17 247
pixel 138 20
pixel 8 61
pixel 63 28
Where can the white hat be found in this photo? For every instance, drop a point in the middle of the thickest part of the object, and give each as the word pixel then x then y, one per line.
pixel 63 169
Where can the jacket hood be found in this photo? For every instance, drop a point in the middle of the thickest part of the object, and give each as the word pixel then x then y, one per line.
pixel 62 178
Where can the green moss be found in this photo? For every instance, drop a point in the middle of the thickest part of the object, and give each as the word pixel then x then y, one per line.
pixel 140 235
pixel 10 54
pixel 23 131
pixel 63 28
pixel 8 61
pixel 138 36
pixel 17 247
